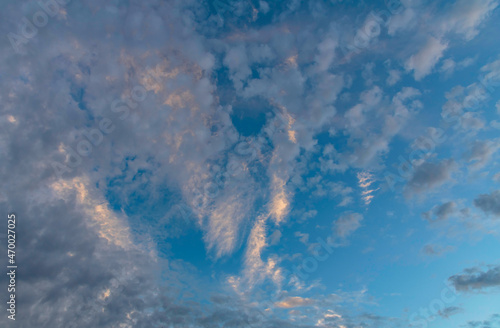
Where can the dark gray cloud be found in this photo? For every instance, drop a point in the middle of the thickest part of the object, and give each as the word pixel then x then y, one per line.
pixel 489 203
pixel 428 176
pixel 440 212
pixel 69 276
pixel 476 279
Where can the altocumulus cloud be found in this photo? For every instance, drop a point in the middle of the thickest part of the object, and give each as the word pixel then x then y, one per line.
pixel 86 238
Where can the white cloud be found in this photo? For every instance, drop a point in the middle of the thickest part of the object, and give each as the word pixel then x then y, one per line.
pixel 394 77
pixel 449 65
pixel 465 16
pixel 346 224
pixel 403 21
pixel 426 58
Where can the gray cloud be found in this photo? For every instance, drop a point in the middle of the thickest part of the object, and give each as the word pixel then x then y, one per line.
pixel 436 250
pixel 492 322
pixel 440 212
pixel 475 279
pixel 428 176
pixel 70 276
pixel 449 311
pixel 489 203
pixel 481 151
pixel 179 143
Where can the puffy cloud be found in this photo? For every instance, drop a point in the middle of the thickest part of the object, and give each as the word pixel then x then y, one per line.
pixel 179 143
pixel 405 20
pixel 428 176
pixel 449 65
pixel 424 61
pixel 394 77
pixel 326 53
pixel 441 212
pixel 110 226
pixel 237 62
pixel 346 224
pixel 465 16
pixel 480 152
pixel 275 237
pixel 81 264
pixel 475 279
pixel 489 203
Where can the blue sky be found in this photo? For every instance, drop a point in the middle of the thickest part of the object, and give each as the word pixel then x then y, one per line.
pixel 319 163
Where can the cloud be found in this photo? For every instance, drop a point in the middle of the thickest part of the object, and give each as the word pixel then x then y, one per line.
pixel 436 250
pixel 465 17
pixel 475 279
pixel 424 61
pixel 111 227
pixel 489 203
pixel 303 237
pixel 79 258
pixel 346 224
pixel 471 122
pixel 223 226
pixel 280 203
pixel 394 77
pixel 403 21
pixel 257 269
pixel 99 264
pixel 441 212
pixel 449 65
pixel 428 176
pixel 308 215
pixel 237 62
pixel 493 321
pixel 326 53
pixel 449 311
pixel 480 152
pixel 293 302
pixel 365 180
pixel 255 266
pixel 275 237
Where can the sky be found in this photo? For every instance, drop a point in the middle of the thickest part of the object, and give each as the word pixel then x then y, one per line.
pixel 246 163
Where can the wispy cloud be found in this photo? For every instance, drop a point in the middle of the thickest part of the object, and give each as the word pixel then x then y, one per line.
pixel 365 180
pixel 293 302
